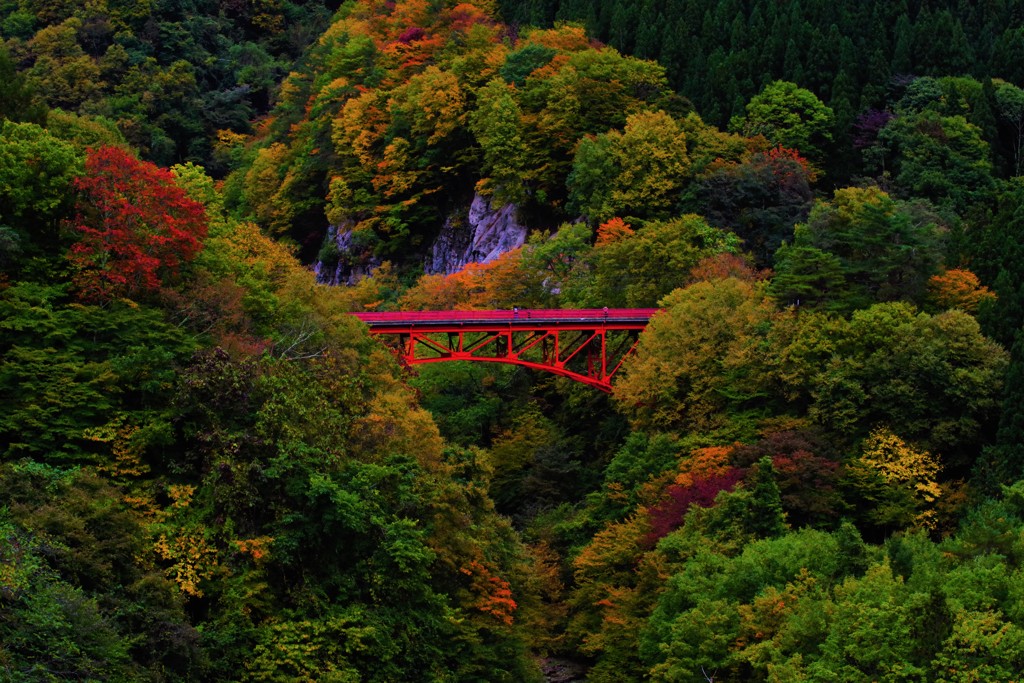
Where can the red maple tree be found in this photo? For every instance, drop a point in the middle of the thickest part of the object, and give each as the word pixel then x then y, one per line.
pixel 136 226
pixel 670 513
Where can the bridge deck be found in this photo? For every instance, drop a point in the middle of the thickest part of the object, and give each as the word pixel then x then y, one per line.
pixel 524 317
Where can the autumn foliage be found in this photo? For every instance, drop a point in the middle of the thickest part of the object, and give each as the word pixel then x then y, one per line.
pixel 501 283
pixel 494 596
pixel 725 265
pixel 958 288
pixel 135 227
pixel 613 230
pixel 671 512
pixel 701 478
pixel 210 471
pixel 781 158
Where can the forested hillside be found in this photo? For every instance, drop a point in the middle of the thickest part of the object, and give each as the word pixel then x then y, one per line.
pixel 812 469
pixel 179 80
pixel 720 53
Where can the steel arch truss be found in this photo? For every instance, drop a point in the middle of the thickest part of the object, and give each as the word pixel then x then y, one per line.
pixel 586 345
pixel 590 356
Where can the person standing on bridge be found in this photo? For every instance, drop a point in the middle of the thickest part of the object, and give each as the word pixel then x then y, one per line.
pixel 605 312
pixel 515 312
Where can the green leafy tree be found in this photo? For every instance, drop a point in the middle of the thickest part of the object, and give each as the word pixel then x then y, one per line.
pixel 1009 105
pixel 696 367
pixel 639 172
pixel 885 250
pixel 391 578
pixel 940 158
pixel 71 373
pixel 760 199
pixel 760 608
pixel 642 457
pixel 934 380
pixel 84 131
pixel 870 632
pixel 790 116
pixel 983 645
pixel 496 125
pixel 639 269
pixel 79 593
pixel 521 63
pixel 62 71
pixel 563 260
pixel 36 190
pixel 806 276
pixel 766 517
pixel 20 101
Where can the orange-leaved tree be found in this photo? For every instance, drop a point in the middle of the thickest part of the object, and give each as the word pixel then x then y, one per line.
pixel 500 283
pixel 958 288
pixel 135 226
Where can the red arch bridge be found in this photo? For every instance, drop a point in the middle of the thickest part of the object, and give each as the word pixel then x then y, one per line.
pixel 587 345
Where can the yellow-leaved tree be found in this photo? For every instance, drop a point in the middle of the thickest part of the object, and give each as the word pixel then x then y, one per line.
pixel 699 362
pixel 898 480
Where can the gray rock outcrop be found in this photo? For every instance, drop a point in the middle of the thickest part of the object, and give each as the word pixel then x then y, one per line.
pixel 344 263
pixel 478 236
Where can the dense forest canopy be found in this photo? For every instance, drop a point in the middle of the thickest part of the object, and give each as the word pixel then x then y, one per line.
pixel 175 78
pixel 812 469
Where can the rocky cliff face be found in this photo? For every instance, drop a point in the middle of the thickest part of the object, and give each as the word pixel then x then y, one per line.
pixel 478 235
pixel 481 235
pixel 341 261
